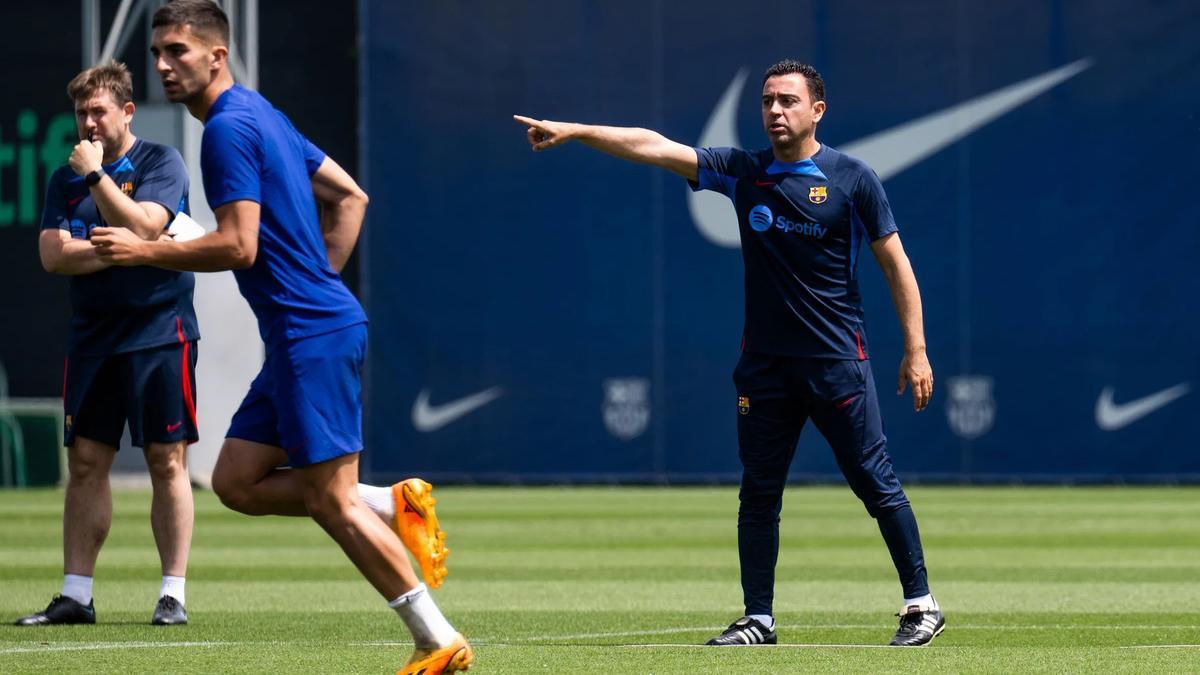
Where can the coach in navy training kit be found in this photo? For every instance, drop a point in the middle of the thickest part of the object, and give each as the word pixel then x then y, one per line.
pixel 804 210
pixel 132 347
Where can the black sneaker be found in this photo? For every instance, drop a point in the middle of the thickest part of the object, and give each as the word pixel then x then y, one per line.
pixel 918 627
pixel 745 631
pixel 169 612
pixel 62 610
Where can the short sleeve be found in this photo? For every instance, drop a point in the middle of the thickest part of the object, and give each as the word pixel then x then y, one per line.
pixel 54 213
pixel 313 157
pixel 719 169
pixel 871 207
pixel 164 182
pixel 231 161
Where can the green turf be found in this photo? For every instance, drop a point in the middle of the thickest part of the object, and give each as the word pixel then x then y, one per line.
pixel 629 580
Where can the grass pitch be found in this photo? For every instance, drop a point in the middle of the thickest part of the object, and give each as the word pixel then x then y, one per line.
pixel 607 580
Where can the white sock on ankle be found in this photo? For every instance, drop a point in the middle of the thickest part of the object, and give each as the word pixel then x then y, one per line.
pixel 78 588
pixel 173 586
pixel 429 628
pixel 379 500
pixel 765 619
pixel 925 602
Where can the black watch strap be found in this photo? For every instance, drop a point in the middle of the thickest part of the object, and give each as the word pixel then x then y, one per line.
pixel 93 177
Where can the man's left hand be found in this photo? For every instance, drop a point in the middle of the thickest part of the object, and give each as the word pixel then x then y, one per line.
pixel 119 246
pixel 915 370
pixel 88 156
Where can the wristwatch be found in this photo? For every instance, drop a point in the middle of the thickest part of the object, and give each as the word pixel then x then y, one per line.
pixel 93 177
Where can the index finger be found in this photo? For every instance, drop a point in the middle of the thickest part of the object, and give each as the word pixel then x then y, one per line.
pixel 527 121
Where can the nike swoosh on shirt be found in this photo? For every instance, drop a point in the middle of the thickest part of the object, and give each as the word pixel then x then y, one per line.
pixel 428 418
pixel 1111 416
pixel 888 152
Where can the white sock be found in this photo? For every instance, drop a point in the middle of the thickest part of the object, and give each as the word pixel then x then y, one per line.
pixel 925 602
pixel 78 588
pixel 765 619
pixel 379 500
pixel 173 586
pixel 429 628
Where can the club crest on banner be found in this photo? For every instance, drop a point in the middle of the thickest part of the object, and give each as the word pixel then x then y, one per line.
pixel 971 409
pixel 626 406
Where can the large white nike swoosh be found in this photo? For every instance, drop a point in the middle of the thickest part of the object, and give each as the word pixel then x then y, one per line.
pixel 427 418
pixel 888 152
pixel 1111 416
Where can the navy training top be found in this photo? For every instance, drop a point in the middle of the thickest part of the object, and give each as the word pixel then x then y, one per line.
pixel 124 309
pixel 801 225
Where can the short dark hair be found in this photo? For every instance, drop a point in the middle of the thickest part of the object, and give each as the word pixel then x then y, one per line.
pixel 816 85
pixel 205 17
pixel 112 77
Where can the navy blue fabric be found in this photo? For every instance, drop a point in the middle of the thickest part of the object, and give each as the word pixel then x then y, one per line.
pixel 777 395
pixel 122 309
pixel 307 399
pixel 250 151
pixel 801 225
pixel 151 389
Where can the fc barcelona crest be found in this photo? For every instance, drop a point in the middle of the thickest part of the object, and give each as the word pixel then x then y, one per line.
pixel 744 405
pixel 818 194
pixel 127 188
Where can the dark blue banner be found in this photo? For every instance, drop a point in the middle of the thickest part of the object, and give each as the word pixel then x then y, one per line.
pixel 567 315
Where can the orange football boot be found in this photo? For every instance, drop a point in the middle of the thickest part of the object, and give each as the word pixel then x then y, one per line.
pixel 450 659
pixel 416 523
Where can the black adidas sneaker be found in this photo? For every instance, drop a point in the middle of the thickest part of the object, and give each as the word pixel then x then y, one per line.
pixel 745 631
pixel 918 627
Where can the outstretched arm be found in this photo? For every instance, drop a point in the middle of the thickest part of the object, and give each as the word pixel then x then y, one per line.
pixel 631 143
pixel 914 368
pixel 343 206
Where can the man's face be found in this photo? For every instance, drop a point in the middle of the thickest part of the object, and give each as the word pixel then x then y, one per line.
pixel 183 61
pixel 789 113
pixel 99 118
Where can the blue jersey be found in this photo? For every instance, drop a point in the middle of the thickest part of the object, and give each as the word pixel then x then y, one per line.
pixel 124 309
pixel 251 151
pixel 802 225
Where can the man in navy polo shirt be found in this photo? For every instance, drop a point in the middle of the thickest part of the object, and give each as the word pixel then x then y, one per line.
pixel 132 347
pixel 804 210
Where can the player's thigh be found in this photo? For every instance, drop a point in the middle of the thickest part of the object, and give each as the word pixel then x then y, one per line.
pixel 159 389
pixel 769 416
pixel 847 415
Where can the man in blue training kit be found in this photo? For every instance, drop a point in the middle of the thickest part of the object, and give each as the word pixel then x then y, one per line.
pixel 131 354
pixel 264 181
pixel 803 210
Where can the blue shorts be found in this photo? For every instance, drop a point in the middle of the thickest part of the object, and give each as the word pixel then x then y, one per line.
pixel 154 389
pixel 307 399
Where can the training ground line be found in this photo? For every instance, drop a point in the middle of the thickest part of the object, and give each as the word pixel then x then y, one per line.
pixel 92 646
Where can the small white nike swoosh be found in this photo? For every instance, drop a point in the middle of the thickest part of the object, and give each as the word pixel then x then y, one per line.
pixel 888 152
pixel 427 418
pixel 1111 416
